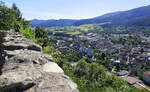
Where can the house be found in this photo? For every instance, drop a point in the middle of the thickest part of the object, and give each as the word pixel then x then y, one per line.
pixel 91 34
pixel 76 46
pixel 89 52
pixel 131 80
pixel 147 49
pixel 86 51
pixel 123 73
pixel 61 43
pixel 113 61
pixel 136 82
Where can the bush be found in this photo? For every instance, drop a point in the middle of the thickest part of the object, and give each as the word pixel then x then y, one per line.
pixel 82 68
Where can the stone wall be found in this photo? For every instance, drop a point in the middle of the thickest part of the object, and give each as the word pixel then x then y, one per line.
pixel 27 69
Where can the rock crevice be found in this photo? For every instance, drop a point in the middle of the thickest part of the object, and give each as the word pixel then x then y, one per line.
pixel 27 69
pixel 2 55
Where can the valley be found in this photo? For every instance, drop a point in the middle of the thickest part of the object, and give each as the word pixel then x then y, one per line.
pixel 119 41
pixel 122 52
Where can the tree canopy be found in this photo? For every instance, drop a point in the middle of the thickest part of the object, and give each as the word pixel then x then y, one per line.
pixel 7 17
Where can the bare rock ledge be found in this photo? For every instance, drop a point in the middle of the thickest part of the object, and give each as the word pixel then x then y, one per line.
pixel 27 69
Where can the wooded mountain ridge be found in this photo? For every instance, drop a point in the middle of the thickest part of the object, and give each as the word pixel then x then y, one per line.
pixel 138 16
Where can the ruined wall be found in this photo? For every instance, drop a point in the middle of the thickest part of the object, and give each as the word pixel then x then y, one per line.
pixel 27 69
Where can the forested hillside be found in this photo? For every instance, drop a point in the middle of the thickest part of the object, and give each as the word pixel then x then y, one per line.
pixel 52 23
pixel 131 17
pixel 119 18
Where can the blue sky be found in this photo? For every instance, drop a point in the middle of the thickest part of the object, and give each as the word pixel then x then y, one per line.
pixel 72 9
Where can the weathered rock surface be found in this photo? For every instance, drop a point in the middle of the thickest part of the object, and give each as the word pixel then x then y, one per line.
pixel 27 69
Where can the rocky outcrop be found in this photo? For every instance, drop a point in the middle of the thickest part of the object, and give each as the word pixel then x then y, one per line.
pixel 27 69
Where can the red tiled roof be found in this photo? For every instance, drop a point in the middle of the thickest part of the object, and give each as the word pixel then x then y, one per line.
pixel 131 80
pixel 136 82
pixel 147 73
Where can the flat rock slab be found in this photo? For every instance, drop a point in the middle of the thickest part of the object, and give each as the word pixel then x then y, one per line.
pixel 52 67
pixel 17 42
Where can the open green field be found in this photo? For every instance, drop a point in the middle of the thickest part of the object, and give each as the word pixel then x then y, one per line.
pixel 74 30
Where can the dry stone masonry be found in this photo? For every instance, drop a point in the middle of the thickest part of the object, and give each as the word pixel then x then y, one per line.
pixel 27 69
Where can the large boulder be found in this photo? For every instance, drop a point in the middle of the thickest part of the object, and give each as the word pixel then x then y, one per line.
pixel 29 70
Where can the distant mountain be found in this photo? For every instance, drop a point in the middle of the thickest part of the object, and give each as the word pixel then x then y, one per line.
pixel 145 21
pixel 123 17
pixel 52 23
pixel 138 16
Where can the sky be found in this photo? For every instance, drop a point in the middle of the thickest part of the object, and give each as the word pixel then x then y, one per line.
pixel 72 9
